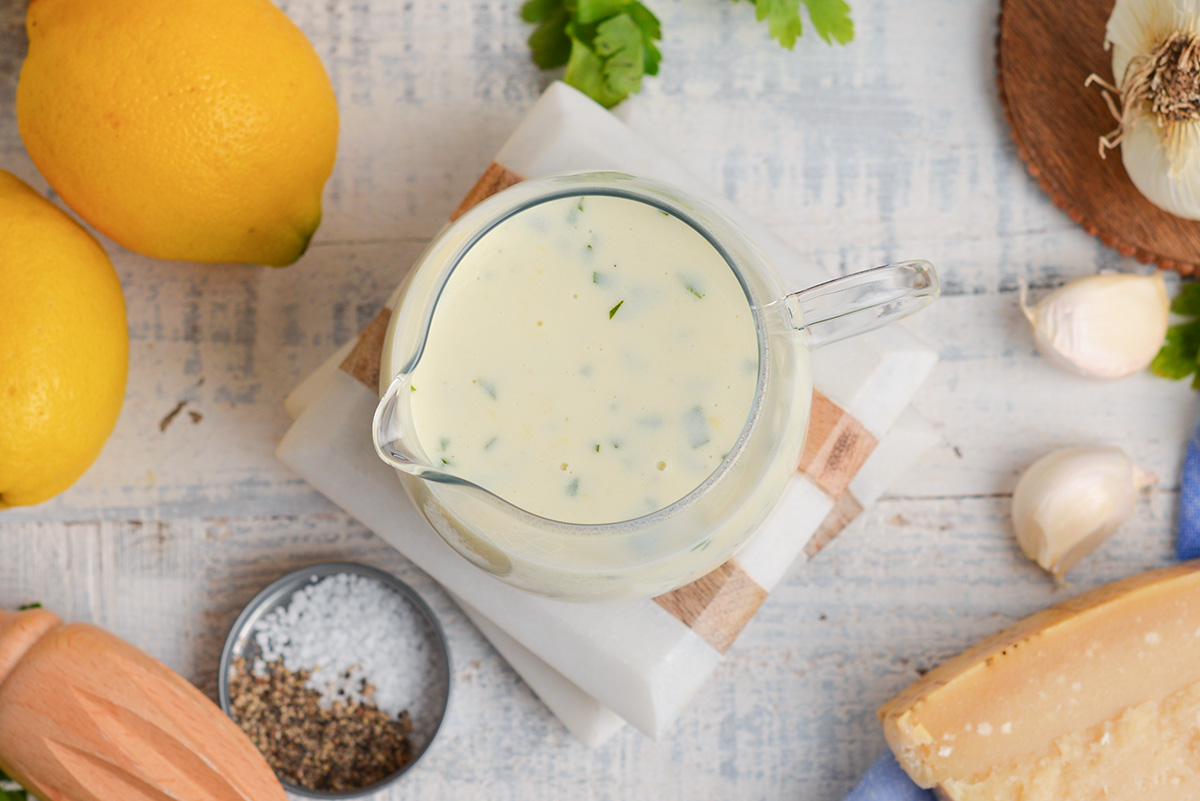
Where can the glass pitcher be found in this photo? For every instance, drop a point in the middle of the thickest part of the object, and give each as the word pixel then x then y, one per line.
pixel 665 548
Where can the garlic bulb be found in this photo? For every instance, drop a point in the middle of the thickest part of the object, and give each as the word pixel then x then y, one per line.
pixel 1101 326
pixel 1071 500
pixel 1156 63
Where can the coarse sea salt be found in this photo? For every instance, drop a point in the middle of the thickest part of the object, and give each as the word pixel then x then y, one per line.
pixel 352 633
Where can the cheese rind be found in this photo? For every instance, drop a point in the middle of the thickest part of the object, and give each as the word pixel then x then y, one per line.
pixel 1023 715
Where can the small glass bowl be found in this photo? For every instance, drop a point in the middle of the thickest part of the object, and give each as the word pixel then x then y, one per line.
pixel 427 711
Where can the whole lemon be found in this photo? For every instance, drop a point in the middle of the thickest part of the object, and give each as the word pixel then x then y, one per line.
pixel 64 349
pixel 183 129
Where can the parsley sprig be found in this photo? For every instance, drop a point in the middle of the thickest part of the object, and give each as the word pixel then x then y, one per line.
pixel 1180 354
pixel 608 46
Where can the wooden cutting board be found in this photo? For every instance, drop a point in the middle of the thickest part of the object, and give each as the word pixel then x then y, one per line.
pixel 1045 52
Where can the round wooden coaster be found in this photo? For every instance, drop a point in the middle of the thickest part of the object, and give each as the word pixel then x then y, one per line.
pixel 1045 52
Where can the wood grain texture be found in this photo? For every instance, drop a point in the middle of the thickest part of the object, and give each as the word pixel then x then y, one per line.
pixel 496 178
pixel 892 147
pixel 718 605
pixel 85 715
pixel 837 446
pixel 1045 52
pixel 363 361
pixel 844 510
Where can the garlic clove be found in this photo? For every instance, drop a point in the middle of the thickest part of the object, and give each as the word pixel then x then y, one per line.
pixel 1101 326
pixel 1071 500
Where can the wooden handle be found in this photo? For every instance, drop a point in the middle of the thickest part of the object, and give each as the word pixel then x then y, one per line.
pixel 85 716
pixel 19 631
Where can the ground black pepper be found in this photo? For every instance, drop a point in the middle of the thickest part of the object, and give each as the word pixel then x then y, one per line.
pixel 343 747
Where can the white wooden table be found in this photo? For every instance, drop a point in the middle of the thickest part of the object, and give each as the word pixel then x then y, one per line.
pixel 892 147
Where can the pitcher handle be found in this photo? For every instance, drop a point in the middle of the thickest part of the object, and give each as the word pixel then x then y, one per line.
pixel 861 302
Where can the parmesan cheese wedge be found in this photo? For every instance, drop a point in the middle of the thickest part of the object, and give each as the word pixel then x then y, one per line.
pixel 1098 697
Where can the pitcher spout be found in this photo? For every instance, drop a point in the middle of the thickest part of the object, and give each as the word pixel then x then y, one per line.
pixel 391 432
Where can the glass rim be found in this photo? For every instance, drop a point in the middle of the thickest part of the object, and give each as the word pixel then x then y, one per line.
pixel 487 215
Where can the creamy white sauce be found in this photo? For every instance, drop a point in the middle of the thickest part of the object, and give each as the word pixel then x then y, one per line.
pixel 590 359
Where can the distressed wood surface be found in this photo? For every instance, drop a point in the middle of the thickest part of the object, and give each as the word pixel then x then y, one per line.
pixel 893 147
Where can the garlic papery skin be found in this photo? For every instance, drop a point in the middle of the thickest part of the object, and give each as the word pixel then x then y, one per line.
pixel 1156 64
pixel 1102 326
pixel 1071 500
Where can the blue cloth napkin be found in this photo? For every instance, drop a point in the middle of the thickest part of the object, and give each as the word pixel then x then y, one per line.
pixel 887 781
pixel 1187 546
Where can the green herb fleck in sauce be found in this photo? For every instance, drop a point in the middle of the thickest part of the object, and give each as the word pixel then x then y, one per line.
pixel 443 443
pixel 695 427
pixel 490 443
pixel 694 291
pixel 573 487
pixel 612 312
pixel 488 387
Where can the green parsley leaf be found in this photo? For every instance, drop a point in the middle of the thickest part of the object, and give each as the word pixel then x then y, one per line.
pixel 783 20
pixel 549 42
pixel 588 12
pixel 651 33
pixel 540 10
pixel 1177 358
pixel 585 71
pixel 608 58
pixel 619 43
pixel 22 608
pixel 613 311
pixel 1188 302
pixel 607 46
pixel 830 18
